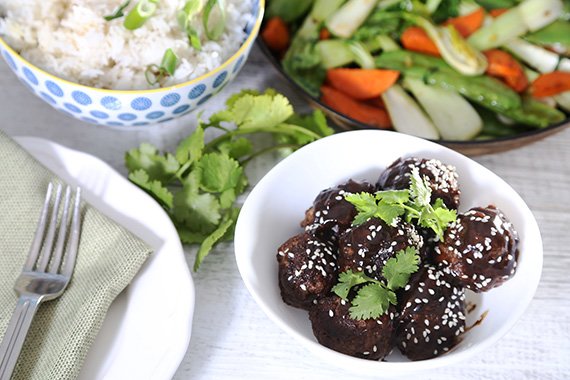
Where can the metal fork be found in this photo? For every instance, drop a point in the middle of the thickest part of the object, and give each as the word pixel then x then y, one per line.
pixel 45 274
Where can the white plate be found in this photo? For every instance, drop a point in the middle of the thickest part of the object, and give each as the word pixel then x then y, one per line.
pixel 274 208
pixel 147 329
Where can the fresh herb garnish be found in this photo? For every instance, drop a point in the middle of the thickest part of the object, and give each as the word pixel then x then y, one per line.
pixel 374 298
pixel 413 203
pixel 198 185
pixel 185 17
pixel 140 14
pixel 117 13
pixel 155 74
pixel 214 18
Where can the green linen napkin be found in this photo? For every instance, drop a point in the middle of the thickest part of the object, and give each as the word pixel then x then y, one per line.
pixel 109 257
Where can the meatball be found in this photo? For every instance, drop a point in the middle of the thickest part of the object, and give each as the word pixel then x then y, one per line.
pixel 480 249
pixel 330 213
pixel 307 269
pixel 442 178
pixel 367 247
pixel 334 328
pixel 432 314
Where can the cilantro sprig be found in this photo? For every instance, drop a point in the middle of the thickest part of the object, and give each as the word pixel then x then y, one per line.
pixel 414 204
pixel 374 297
pixel 198 185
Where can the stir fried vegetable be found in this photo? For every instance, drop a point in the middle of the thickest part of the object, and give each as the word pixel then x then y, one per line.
pixel 455 69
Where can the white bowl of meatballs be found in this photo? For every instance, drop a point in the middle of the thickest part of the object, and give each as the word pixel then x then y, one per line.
pixel 385 253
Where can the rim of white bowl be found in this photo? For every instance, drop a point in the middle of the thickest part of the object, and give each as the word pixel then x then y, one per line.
pixel 248 41
pixel 364 365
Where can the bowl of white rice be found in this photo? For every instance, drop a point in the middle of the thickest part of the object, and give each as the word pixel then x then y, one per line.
pixel 127 63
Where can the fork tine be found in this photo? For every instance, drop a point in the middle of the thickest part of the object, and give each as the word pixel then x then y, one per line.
pixel 58 251
pixel 48 241
pixel 38 237
pixel 73 244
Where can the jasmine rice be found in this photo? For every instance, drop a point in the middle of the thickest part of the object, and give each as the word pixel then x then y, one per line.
pixel 72 40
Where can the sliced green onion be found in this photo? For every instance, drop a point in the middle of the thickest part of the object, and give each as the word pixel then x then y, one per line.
pixel 118 12
pixel 155 74
pixel 169 61
pixel 214 18
pixel 185 16
pixel 140 13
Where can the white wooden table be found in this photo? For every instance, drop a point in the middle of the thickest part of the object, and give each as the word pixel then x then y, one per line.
pixel 233 339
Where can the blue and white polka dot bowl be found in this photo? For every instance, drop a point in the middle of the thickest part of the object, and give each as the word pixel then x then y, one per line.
pixel 115 108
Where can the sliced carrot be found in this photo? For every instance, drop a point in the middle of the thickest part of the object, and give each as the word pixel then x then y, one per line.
pixel 497 12
pixel 275 34
pixel 362 84
pixel 362 112
pixel 416 39
pixel 468 24
pixel 324 34
pixel 550 84
pixel 502 65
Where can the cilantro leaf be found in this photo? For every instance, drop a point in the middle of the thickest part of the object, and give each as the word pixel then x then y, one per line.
pixel 155 188
pixel 365 204
pixel 372 301
pixel 347 280
pixel 236 148
pixel 212 239
pixel 158 167
pixel 199 212
pixel 389 212
pixel 393 196
pixel 398 269
pixel 190 149
pixel 220 172
pixel 420 191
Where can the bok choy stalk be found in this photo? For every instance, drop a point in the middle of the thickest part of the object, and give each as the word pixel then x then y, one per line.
pixel 453 48
pixel 535 56
pixel 336 53
pixel 453 116
pixel 344 22
pixel 406 114
pixel 530 15
pixel 563 100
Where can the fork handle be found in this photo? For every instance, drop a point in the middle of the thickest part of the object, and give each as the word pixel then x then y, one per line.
pixel 16 334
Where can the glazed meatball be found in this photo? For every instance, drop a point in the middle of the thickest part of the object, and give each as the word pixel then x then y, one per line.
pixel 307 269
pixel 480 249
pixel 334 328
pixel 432 314
pixel 442 178
pixel 330 213
pixel 367 247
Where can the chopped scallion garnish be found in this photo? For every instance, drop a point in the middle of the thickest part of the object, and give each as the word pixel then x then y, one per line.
pixel 140 14
pixel 185 16
pixel 118 12
pixel 155 74
pixel 214 18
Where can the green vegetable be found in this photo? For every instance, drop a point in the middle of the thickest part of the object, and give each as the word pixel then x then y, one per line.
pixel 496 4
pixel 155 74
pixel 413 204
pixel 199 184
pixel 407 117
pixel 535 113
pixel 483 89
pixel 334 53
pixel 348 18
pixel 374 298
pixel 361 55
pixel 445 9
pixel 530 15
pixel 214 18
pixel 117 13
pixel 382 42
pixel 555 35
pixel 289 10
pixel 185 17
pixel 140 14
pixel 452 115
pixel 494 128
pixel 302 62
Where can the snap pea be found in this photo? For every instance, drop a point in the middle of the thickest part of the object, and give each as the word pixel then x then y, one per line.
pixel 482 90
pixel 557 33
pixel 535 113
